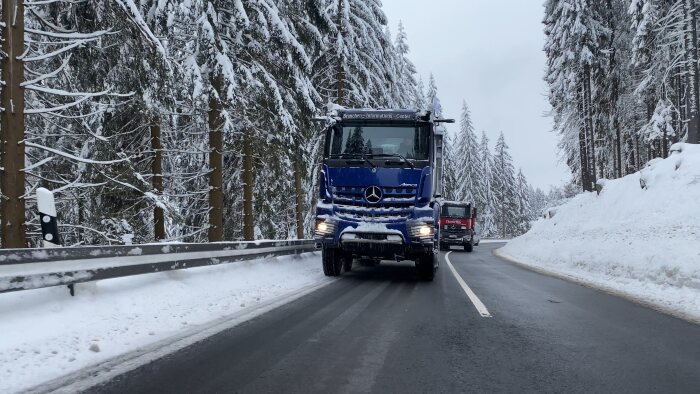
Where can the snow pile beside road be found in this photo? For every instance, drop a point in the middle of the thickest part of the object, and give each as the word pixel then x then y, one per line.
pixel 45 333
pixel 639 237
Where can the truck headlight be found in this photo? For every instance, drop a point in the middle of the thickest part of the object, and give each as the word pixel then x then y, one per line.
pixel 424 230
pixel 324 227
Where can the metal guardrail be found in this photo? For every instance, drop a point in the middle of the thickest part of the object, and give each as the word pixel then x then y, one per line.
pixel 25 269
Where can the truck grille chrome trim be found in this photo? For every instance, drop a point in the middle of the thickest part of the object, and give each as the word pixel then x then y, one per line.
pixel 396 203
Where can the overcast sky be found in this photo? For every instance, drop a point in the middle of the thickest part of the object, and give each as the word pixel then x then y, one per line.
pixel 489 53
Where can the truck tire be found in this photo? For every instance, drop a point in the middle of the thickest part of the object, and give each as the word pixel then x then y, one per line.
pixel 332 263
pixel 425 264
pixel 469 247
pixel 443 246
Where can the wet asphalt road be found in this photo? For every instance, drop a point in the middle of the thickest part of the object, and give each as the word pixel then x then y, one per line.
pixel 382 330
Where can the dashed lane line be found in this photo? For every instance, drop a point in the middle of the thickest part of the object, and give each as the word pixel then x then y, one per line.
pixel 480 307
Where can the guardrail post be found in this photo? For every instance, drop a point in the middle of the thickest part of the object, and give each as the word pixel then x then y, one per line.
pixel 49 222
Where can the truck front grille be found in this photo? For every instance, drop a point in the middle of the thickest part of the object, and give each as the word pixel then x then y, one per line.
pixel 396 203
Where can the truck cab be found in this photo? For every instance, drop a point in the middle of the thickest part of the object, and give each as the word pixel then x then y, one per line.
pixel 457 224
pixel 381 174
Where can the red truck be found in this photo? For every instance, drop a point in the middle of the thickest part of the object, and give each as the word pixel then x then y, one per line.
pixel 457 220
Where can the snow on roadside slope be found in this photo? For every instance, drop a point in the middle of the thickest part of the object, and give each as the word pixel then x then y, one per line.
pixel 45 333
pixel 643 243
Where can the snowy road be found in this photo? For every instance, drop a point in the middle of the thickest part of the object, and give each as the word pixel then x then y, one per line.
pixel 381 330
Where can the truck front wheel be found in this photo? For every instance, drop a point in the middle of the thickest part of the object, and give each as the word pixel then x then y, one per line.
pixel 332 261
pixel 425 264
pixel 469 247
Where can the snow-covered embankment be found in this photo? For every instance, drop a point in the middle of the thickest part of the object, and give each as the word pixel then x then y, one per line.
pixel 640 237
pixel 46 333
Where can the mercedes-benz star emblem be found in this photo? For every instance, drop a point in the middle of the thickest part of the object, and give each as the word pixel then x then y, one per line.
pixel 373 194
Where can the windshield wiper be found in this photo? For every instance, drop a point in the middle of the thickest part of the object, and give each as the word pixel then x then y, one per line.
pixel 396 155
pixel 352 155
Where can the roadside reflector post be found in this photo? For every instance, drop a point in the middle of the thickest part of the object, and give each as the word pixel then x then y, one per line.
pixel 47 216
pixel 46 205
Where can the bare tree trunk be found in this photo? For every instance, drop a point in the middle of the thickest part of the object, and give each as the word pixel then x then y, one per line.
pixel 630 155
pixel 638 153
pixel 248 184
pixel 340 72
pixel 618 146
pixel 590 132
pixel 682 105
pixel 615 96
pixel 503 212
pixel 216 177
pixel 583 151
pixel 299 197
pixel 691 55
pixel 157 180
pixel 81 218
pixel 12 227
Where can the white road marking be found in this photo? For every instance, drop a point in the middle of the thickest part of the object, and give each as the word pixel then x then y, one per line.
pixel 480 307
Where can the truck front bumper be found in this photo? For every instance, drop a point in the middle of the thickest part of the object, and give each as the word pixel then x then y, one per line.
pixel 396 240
pixel 459 240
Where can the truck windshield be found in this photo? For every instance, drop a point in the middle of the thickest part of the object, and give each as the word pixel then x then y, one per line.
pixel 454 211
pixel 411 142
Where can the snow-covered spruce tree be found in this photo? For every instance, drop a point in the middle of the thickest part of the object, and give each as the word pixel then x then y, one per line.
pixel 195 32
pixel 538 203
pixel 433 101
pixel 36 91
pixel 643 61
pixel 692 77
pixel 487 211
pixel 449 169
pixel 504 188
pixel 524 212
pixel 408 93
pixel 575 37
pixel 132 201
pixel 609 101
pixel 421 100
pixel 432 91
pixel 178 121
pixel 83 123
pixel 352 70
pixel 196 98
pixel 468 169
pixel 648 71
pixel 310 23
pixel 276 93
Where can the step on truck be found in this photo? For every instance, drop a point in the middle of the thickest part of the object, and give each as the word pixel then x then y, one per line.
pixel 380 179
pixel 457 220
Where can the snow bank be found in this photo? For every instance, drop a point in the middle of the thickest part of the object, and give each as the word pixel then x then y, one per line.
pixel 640 237
pixel 45 333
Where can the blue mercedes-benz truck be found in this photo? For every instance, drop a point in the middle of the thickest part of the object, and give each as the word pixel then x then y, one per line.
pixel 381 177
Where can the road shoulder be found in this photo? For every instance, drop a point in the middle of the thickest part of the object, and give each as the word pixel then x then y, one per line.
pixel 600 286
